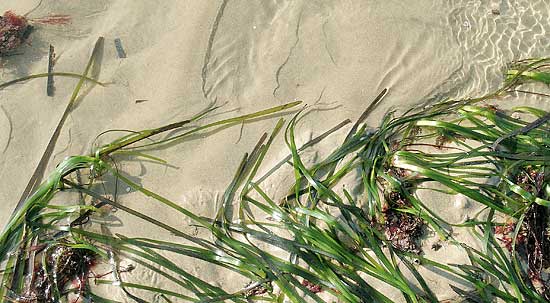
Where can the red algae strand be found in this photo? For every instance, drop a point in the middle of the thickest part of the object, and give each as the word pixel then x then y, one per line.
pixel 14 31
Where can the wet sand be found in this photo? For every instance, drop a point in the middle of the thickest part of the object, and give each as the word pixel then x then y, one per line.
pixel 336 56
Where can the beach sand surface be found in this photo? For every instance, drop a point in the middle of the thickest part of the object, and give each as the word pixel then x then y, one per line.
pixel 183 55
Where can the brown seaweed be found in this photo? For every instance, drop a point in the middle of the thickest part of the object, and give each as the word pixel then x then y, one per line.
pixel 403 230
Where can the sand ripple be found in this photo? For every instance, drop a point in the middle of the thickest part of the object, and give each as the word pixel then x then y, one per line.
pixel 281 50
pixel 490 34
pixel 242 52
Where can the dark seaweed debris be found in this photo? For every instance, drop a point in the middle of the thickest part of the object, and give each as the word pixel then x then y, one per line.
pixel 14 31
pixel 314 288
pixel 537 247
pixel 257 290
pixel 403 230
pixel 532 242
pixel 532 246
pixel 65 266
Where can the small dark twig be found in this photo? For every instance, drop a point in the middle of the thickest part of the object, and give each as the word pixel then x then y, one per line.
pixel 527 128
pixel 51 59
pixel 528 92
pixel 119 49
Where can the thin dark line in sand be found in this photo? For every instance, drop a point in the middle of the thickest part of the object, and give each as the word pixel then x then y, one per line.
pixel 320 96
pixel 208 53
pixel 67 146
pixel 278 73
pixel 33 9
pixel 326 45
pixel 240 133
pixel 10 131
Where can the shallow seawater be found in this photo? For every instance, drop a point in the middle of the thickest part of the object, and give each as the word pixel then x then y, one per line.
pixel 336 56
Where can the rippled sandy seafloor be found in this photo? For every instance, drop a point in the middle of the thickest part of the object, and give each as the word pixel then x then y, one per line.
pixel 182 55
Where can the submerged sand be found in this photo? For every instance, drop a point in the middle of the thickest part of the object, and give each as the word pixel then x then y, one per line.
pixel 183 55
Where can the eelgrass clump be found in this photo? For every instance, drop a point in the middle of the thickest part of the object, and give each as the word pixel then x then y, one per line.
pixel 524 69
pixel 333 242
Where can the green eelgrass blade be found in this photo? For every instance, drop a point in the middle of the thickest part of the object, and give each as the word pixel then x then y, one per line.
pixel 42 164
pixel 302 148
pixel 230 121
pixel 43 75
pixel 543 77
pixel 148 288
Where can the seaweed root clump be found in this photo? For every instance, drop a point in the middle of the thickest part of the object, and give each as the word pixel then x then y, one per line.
pixel 537 248
pixel 64 268
pixel 532 241
pixel 403 230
